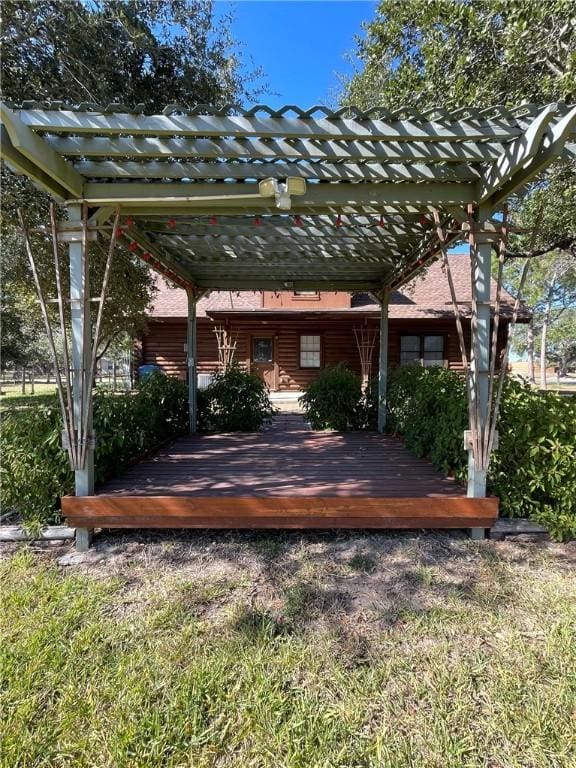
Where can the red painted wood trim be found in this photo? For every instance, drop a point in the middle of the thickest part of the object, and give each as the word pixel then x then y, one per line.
pixel 280 512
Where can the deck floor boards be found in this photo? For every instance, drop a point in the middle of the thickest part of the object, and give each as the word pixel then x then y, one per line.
pixel 285 477
pixel 284 463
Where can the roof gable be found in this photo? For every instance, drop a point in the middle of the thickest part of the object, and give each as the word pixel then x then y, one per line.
pixel 424 297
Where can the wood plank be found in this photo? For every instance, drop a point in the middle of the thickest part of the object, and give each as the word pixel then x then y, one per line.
pixel 280 512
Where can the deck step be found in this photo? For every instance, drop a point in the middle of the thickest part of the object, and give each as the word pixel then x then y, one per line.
pixel 115 511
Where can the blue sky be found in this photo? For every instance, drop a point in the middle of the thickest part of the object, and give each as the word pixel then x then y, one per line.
pixel 300 44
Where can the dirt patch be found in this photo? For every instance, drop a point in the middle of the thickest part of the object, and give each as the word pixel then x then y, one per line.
pixel 352 583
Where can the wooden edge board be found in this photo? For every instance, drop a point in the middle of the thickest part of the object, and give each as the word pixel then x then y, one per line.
pixel 281 512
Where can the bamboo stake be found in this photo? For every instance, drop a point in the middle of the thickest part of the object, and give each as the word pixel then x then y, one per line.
pixel 495 326
pixel 84 411
pixel 96 339
pixel 475 352
pixel 511 329
pixel 70 415
pixel 48 331
pixel 442 240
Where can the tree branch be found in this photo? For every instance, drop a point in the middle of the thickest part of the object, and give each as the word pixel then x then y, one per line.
pixel 566 244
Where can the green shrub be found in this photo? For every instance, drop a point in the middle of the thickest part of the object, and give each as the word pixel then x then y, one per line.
pixel 35 471
pixel 427 406
pixel 334 400
pixel 235 401
pixel 533 472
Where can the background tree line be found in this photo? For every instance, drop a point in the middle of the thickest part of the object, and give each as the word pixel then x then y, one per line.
pixel 446 53
pixel 134 52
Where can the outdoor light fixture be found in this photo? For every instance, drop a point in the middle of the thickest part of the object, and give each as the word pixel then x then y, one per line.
pixel 282 191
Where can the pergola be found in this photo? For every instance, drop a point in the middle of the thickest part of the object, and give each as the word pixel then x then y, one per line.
pixel 284 199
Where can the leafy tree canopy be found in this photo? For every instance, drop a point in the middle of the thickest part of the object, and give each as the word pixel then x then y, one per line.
pixel 135 52
pixel 447 53
pixel 430 53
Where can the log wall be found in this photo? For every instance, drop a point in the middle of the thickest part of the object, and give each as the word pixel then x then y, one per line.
pixel 165 344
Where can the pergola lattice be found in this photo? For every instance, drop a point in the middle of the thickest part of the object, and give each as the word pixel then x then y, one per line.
pixel 285 199
pixel 190 181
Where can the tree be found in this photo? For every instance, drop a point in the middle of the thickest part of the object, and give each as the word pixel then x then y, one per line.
pixel 136 52
pixel 562 343
pixel 551 295
pixel 443 53
pixel 430 53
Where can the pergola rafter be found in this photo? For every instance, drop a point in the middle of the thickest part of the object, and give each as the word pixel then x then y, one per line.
pixel 291 198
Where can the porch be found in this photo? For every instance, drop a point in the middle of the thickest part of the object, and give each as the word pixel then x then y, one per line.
pixel 285 477
pixel 282 200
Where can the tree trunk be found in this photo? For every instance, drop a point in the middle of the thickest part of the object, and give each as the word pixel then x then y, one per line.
pixel 530 348
pixel 543 338
pixel 543 381
pixel 114 378
pixel 32 381
pixel 24 380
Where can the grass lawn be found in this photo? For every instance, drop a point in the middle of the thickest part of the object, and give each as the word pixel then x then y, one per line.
pixel 320 650
pixel 15 390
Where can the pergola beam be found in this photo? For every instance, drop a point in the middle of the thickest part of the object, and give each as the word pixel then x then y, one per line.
pixel 281 149
pixel 24 141
pixel 516 155
pixel 368 171
pixel 159 196
pixel 65 121
pixel 289 283
pixel 20 164
pixel 552 146
pixel 178 266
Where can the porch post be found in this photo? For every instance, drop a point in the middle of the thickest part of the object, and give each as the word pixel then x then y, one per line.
pixel 191 360
pixel 481 366
pixel 383 363
pixel 81 343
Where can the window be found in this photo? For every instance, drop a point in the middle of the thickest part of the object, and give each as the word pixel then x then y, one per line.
pixel 306 294
pixel 422 350
pixel 262 350
pixel 309 351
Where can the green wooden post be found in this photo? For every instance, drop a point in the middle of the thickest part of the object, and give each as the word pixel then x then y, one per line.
pixel 383 363
pixel 191 361
pixel 481 366
pixel 81 343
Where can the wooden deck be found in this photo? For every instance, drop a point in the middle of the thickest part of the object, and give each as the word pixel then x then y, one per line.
pixel 287 477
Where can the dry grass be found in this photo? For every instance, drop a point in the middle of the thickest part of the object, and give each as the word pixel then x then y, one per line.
pixel 233 649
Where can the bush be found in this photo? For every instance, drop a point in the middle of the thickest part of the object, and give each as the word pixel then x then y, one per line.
pixel 234 401
pixel 334 400
pixel 427 406
pixel 35 471
pixel 533 472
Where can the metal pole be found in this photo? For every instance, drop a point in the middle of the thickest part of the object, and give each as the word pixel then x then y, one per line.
pixel 81 339
pixel 383 363
pixel 191 360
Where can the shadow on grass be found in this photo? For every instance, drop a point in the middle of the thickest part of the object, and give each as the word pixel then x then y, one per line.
pixel 296 580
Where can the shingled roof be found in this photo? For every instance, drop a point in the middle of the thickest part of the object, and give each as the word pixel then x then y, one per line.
pixel 425 297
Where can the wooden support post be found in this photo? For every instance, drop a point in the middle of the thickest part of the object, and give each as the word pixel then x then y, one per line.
pixel 81 341
pixel 191 359
pixel 480 348
pixel 383 364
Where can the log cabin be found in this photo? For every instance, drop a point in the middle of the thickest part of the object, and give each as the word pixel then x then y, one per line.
pixel 286 337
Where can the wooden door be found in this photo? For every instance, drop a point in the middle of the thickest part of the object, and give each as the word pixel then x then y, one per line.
pixel 263 358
